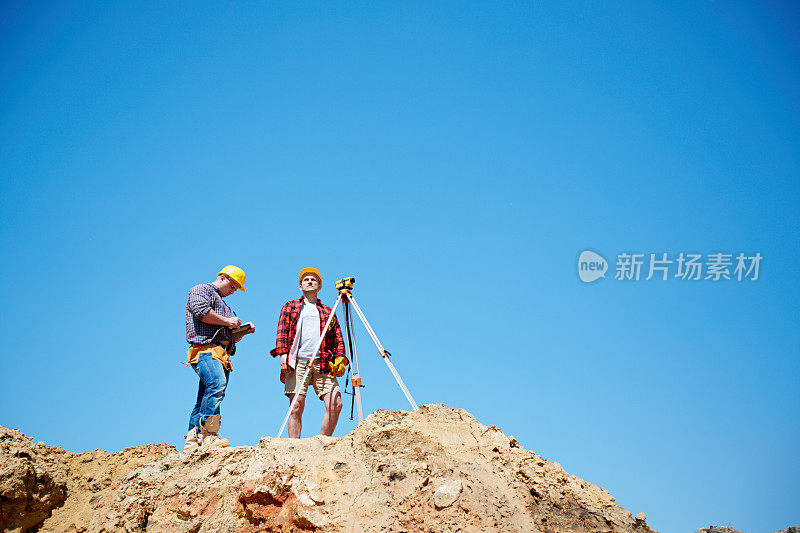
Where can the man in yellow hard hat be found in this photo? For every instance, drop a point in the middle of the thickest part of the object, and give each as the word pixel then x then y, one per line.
pixel 209 331
pixel 299 331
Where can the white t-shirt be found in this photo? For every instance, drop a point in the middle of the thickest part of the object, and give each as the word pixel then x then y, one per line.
pixel 308 330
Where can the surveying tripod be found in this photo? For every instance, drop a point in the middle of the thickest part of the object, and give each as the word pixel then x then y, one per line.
pixel 345 286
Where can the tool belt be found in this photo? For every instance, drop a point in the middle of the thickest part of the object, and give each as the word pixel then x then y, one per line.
pixel 218 352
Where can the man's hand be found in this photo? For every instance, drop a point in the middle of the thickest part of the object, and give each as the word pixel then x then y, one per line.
pixel 237 336
pixel 337 366
pixel 285 368
pixel 234 322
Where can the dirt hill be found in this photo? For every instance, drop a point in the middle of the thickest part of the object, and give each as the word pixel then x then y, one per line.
pixel 436 469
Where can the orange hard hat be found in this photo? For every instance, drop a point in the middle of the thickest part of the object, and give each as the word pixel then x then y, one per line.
pixel 309 270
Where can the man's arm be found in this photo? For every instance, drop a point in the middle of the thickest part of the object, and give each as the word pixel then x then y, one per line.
pixel 338 350
pixel 215 319
pixel 282 337
pixel 199 305
pixel 333 339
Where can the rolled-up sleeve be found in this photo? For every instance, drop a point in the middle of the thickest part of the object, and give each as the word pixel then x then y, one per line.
pixel 282 337
pixel 199 302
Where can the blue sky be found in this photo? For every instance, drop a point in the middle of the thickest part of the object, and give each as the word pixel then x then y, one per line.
pixel 455 158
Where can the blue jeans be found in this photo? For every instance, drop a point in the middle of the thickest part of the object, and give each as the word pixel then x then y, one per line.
pixel 213 382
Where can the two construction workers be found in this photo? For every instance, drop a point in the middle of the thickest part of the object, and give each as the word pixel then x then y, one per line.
pixel 210 333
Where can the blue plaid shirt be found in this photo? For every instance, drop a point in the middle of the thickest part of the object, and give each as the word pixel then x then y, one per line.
pixel 201 299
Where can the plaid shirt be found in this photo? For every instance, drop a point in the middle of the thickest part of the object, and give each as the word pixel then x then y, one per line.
pixel 332 342
pixel 203 298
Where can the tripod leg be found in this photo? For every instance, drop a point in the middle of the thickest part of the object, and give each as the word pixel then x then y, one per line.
pixel 383 354
pixel 348 326
pixel 310 363
pixel 354 364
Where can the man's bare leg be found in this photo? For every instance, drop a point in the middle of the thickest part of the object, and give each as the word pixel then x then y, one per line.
pixel 333 406
pixel 296 416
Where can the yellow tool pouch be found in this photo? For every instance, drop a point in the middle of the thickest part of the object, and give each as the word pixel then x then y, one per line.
pixel 217 352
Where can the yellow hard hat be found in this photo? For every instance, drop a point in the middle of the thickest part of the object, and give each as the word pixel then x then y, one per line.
pixel 309 270
pixel 235 273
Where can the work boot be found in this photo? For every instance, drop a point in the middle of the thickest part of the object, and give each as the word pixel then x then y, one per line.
pixel 211 425
pixel 215 441
pixel 209 430
pixel 193 441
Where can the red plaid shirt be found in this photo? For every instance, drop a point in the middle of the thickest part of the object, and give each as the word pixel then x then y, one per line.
pixel 332 342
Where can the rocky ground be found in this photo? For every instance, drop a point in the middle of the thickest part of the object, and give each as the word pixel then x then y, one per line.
pixel 433 470
pixel 47 488
pixel 722 529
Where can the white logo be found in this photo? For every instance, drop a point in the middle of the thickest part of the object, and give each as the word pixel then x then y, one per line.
pixel 664 266
pixel 591 266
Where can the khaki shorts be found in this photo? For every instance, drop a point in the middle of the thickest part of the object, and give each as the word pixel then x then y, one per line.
pixel 322 384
